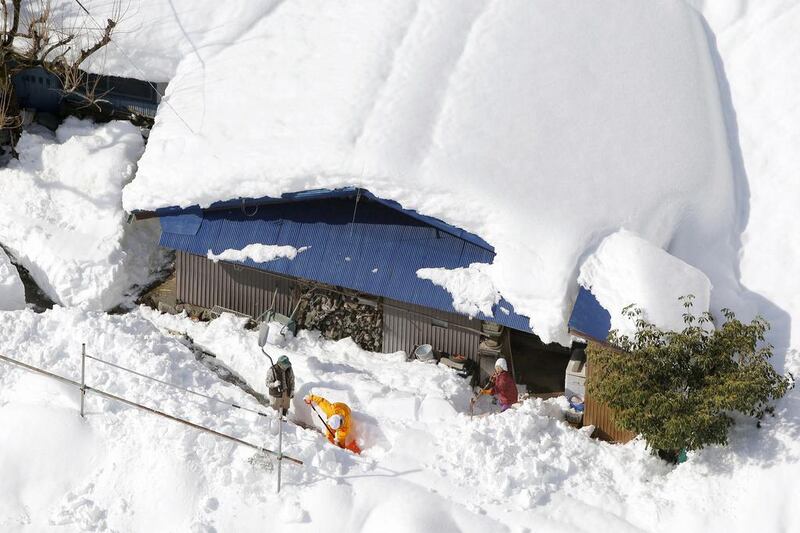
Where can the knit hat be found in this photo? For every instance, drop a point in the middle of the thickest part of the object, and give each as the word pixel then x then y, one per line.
pixel 335 421
pixel 501 364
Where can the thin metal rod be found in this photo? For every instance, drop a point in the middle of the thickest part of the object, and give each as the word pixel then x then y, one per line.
pixel 142 407
pixel 280 446
pixel 190 391
pixel 83 377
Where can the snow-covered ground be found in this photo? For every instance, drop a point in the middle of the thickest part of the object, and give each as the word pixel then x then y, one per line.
pixel 569 121
pixel 61 213
pixel 427 466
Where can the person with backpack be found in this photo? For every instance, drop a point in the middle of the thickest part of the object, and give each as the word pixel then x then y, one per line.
pixel 280 382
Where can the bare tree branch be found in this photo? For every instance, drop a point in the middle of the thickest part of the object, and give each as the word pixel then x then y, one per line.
pixel 12 32
pixel 104 40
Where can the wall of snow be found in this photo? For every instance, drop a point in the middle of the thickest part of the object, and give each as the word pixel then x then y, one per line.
pixel 61 214
pixel 758 44
pixel 541 126
pixel 626 269
pixel 12 293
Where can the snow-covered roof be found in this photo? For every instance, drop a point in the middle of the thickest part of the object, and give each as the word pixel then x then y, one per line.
pixel 493 117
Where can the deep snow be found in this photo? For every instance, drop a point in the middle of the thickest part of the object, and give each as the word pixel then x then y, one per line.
pixel 61 213
pixel 427 466
pixel 626 269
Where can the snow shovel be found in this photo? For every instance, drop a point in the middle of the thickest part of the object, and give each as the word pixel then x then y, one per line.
pixel 353 447
pixel 324 423
pixel 475 398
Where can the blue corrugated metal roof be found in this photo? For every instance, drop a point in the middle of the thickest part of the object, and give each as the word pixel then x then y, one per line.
pixel 378 252
pixel 251 205
pixel 589 318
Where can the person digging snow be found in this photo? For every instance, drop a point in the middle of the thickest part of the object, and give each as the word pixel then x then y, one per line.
pixel 280 381
pixel 339 422
pixel 502 385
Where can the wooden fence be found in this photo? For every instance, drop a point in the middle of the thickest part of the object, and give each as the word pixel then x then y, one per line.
pixel 601 416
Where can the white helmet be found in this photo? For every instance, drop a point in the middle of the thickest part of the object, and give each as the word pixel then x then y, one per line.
pixel 335 421
pixel 501 364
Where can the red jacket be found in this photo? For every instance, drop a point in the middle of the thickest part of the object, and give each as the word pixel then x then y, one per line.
pixel 505 389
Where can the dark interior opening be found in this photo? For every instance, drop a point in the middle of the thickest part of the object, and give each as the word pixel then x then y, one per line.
pixel 541 367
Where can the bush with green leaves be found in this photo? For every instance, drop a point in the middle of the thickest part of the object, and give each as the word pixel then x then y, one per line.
pixel 678 389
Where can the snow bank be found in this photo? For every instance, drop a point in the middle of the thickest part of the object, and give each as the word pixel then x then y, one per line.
pixel 626 269
pixel 260 253
pixel 472 288
pixel 12 293
pixel 472 113
pixel 61 214
pixel 757 42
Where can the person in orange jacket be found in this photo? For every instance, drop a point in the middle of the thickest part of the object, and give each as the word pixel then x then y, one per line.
pixel 339 422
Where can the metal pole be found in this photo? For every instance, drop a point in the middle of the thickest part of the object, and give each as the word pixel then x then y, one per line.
pixel 280 446
pixel 83 377
pixel 143 408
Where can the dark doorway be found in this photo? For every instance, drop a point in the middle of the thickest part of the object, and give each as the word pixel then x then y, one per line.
pixel 539 366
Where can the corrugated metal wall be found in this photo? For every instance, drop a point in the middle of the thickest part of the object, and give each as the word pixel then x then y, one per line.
pixel 407 325
pixel 203 283
pixel 601 417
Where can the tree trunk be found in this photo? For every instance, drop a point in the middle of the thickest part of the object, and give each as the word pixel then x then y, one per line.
pixel 10 114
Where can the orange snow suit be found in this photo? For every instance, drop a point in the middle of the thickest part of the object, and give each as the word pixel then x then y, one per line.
pixel 341 409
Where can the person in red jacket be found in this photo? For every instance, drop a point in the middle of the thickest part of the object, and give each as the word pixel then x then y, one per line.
pixel 502 385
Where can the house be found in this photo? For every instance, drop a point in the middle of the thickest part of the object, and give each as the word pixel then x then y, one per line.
pixel 362 252
pixel 118 97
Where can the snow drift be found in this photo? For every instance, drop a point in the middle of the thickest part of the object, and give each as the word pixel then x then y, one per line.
pixel 627 269
pixel 61 214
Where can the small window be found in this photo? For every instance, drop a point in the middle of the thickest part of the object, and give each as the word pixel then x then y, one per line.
pixel 435 322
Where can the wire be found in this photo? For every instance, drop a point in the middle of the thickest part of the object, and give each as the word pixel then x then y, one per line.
pixel 261 413
pixel 140 71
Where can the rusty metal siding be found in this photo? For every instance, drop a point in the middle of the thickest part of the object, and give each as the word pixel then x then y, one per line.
pixel 407 325
pixel 601 417
pixel 203 283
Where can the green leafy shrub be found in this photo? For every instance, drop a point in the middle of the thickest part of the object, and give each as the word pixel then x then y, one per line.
pixel 678 389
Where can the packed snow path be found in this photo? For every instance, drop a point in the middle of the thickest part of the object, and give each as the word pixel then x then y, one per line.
pixel 426 466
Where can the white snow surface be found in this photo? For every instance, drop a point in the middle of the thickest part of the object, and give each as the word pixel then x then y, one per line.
pixel 426 466
pixel 472 288
pixel 509 119
pixel 758 44
pixel 61 214
pixel 260 253
pixel 12 293
pixel 626 269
